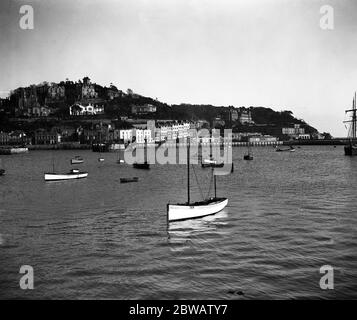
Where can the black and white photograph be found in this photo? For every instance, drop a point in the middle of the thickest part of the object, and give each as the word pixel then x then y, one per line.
pixel 179 150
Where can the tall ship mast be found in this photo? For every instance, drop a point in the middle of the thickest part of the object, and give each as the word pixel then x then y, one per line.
pixel 351 147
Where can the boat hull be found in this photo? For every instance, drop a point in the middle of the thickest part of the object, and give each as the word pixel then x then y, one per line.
pixel 208 161
pixel 212 165
pixel 127 180
pixel 145 166
pixel 76 161
pixel 177 212
pixel 351 150
pixel 66 176
pixel 14 150
pixel 285 150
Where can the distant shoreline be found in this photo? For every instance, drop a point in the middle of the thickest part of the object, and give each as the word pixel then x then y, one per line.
pixel 77 146
pixel 330 142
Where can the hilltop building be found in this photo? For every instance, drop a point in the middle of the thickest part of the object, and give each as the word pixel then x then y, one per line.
pixel 229 114
pixel 56 92
pixel 245 115
pixel 144 109
pixel 88 90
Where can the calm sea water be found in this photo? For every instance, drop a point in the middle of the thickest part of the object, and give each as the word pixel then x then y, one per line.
pixel 288 215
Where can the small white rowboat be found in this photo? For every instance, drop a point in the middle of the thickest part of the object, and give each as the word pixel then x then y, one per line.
pixel 77 160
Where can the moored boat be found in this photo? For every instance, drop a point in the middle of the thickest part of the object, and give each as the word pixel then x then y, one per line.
pixel 13 150
pixel 73 174
pixel 126 180
pixel 351 146
pixel 351 149
pixel 209 161
pixel 144 165
pixel 120 160
pixel 249 155
pixel 290 149
pixel 77 160
pixel 192 210
pixel 177 212
pixel 212 165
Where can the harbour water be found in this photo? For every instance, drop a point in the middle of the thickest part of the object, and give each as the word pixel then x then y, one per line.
pixel 288 215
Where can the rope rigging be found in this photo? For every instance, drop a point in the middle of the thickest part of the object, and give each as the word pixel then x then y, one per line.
pixel 198 184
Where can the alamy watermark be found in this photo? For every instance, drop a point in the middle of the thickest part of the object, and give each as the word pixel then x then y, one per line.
pixel 327 21
pixel 327 280
pixel 27 280
pixel 26 21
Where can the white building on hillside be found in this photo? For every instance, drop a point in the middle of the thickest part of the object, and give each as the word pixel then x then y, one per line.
pixel 81 110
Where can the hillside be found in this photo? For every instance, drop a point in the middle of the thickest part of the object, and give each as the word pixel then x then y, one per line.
pixel 58 97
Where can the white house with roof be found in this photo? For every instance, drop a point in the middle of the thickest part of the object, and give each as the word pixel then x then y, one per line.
pixel 80 110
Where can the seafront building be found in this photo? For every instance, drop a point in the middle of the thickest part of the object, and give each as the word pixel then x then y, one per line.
pixel 262 139
pixel 43 136
pixel 16 137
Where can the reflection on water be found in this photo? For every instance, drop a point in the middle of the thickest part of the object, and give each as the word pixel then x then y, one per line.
pixel 189 229
pixel 288 214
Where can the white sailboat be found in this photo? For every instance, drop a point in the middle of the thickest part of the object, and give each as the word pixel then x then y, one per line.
pixel 192 210
pixel 73 174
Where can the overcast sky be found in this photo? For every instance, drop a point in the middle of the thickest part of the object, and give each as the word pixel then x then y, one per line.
pixel 269 53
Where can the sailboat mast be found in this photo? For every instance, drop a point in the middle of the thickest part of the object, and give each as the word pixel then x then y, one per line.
pixel 354 119
pixel 188 171
pixel 146 151
pixel 215 186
